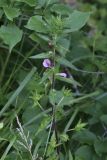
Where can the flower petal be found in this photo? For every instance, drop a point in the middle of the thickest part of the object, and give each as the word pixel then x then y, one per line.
pixel 47 63
pixel 62 74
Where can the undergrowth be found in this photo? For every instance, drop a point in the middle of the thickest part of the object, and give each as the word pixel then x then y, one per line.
pixel 53 91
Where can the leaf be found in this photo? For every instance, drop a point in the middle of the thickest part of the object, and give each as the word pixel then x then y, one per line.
pixel 102 1
pixel 3 3
pixel 46 76
pixel 11 35
pixel 11 13
pixel 68 80
pixel 63 45
pixel 61 9
pixel 77 100
pixel 8 149
pixel 18 91
pixel 29 2
pixel 101 146
pixel 84 136
pixel 42 56
pixel 66 63
pixel 70 155
pixel 1 13
pixel 104 118
pixel 37 24
pixel 55 96
pixel 84 153
pixel 1 125
pixel 76 21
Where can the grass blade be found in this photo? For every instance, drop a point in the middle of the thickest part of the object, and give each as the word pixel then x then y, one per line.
pixel 18 91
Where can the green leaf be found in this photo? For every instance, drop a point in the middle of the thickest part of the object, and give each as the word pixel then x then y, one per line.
pixel 46 76
pixel 102 1
pixel 11 13
pixel 36 38
pixel 101 146
pixel 63 45
pixel 84 136
pixel 55 96
pixel 70 155
pixel 84 153
pixel 64 137
pixel 42 55
pixel 61 9
pixel 68 80
pixel 36 23
pixel 66 63
pixel 104 118
pixel 1 13
pixel 18 91
pixel 8 148
pixel 79 126
pixel 3 3
pixel 77 100
pixel 29 2
pixel 1 125
pixel 11 35
pixel 76 21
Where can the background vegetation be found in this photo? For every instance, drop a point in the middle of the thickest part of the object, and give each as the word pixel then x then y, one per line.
pixel 53 92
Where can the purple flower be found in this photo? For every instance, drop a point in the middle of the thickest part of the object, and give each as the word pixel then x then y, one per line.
pixel 62 74
pixel 47 63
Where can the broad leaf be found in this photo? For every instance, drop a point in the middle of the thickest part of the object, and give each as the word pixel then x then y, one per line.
pixel 36 23
pixel 3 3
pixel 84 153
pixel 61 9
pixel 101 146
pixel 11 35
pixel 11 12
pixel 84 136
pixel 76 21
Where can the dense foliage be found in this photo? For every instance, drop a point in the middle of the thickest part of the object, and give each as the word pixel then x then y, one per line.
pixel 53 92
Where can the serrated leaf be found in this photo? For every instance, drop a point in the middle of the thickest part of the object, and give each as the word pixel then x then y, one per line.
pixel 11 35
pixel 11 12
pixel 76 21
pixel 36 23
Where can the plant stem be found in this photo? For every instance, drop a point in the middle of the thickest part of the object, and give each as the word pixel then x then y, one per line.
pixel 54 126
